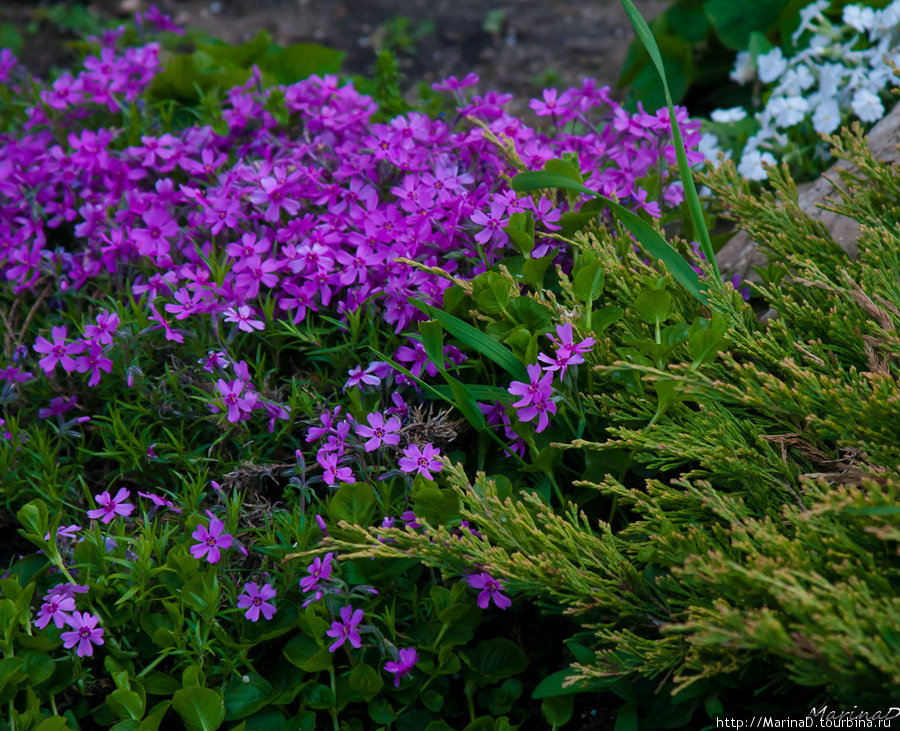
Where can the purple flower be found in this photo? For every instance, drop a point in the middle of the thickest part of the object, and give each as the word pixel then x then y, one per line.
pixel 255 601
pixel 408 658
pixel 538 389
pixel 57 351
pixel 58 407
pixel 490 590
pixel 210 541
pixel 346 628
pixel 567 351
pixel 65 590
pixel 111 506
pixel 418 357
pixel 243 316
pixel 94 362
pixel 421 461
pixel 379 432
pixel 331 471
pixel 102 332
pixel 57 609
pixel 239 407
pixel 84 632
pixel 160 502
pixel 358 376
pixel 319 570
pixel 540 409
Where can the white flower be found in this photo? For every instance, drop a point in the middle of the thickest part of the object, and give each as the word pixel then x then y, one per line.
pixel 735 114
pixel 831 78
pixel 807 15
pixel 859 18
pixel 771 65
pixel 709 148
pixel 788 110
pixel 867 106
pixel 751 166
pixel 796 79
pixel 827 117
pixel 744 70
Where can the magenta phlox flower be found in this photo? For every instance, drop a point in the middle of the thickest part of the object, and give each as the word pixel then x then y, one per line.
pixel 331 471
pixel 418 357
pixel 336 441
pixel 94 361
pixel 568 352
pixel 319 570
pixel 422 461
pixel 379 431
pixel 243 316
pixel 346 628
pixel 407 658
pixel 56 609
pixel 451 83
pixel 15 374
pixel 65 590
pixel 256 601
pixel 58 351
pixel 215 359
pixel 58 406
pixel 491 589
pixel 110 507
pixel 541 409
pixel 492 224
pixel 211 541
pixel 107 323
pixel 538 388
pixel 85 634
pixel 64 532
pixel 327 418
pixel 360 377
pixel 239 407
pixel 159 501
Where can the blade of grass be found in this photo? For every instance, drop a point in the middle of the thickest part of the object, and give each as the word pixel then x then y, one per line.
pixel 690 191
pixel 653 243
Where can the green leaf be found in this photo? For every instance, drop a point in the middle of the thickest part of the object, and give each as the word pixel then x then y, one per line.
pixel 558 709
pixel 476 340
pixel 496 659
pixel 736 20
pixel 531 314
pixel 653 306
pixel 654 244
pixel 353 502
pixel 243 55
pixel 201 709
pixel 627 719
pixel 381 711
pixel 366 681
pixel 438 507
pixel 563 167
pixel 588 284
pixel 126 704
pixel 479 392
pixel 245 695
pixel 35 517
pixel 684 169
pixel 533 271
pixel 319 697
pixel 302 60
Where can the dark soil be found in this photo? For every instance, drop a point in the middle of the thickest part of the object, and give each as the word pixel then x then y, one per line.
pixel 517 46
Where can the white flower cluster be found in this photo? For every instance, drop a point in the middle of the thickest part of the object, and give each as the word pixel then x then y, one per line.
pixel 835 74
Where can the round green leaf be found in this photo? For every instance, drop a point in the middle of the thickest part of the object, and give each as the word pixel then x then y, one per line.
pixel 201 709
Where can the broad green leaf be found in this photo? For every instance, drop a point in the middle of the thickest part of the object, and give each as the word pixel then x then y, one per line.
pixel 558 709
pixel 353 502
pixel 201 709
pixel 366 681
pixel 496 659
pixel 736 20
pixel 588 284
pixel 653 306
pixel 653 243
pixel 302 60
pixel 627 719
pixel 245 695
pixel 481 393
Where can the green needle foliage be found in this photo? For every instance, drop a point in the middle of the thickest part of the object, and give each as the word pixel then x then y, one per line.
pixel 762 547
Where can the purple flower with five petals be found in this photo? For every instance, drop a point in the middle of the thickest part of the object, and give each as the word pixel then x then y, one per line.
pixel 346 628
pixel 210 541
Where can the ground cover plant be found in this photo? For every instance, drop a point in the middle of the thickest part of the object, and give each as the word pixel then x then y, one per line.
pixel 319 415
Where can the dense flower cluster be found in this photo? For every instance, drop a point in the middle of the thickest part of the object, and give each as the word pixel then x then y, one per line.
pixel 834 71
